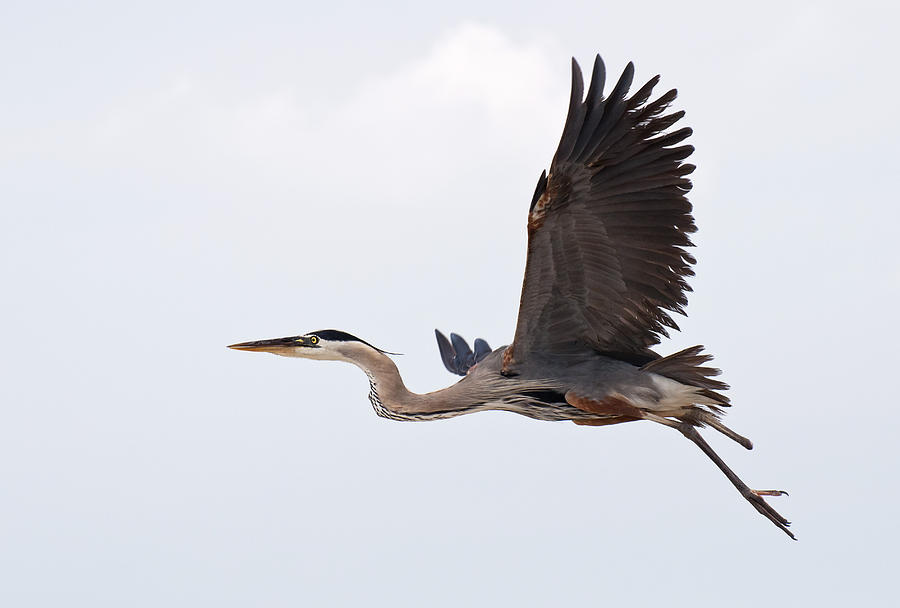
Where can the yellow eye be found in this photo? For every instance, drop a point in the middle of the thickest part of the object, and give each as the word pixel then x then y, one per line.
pixel 314 340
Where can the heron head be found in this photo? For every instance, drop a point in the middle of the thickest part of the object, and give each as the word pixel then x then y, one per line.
pixel 325 345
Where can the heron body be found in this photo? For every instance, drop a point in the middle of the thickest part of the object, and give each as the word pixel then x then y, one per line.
pixel 607 230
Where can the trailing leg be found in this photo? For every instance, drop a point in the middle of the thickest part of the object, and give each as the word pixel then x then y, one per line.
pixel 754 497
pixel 710 419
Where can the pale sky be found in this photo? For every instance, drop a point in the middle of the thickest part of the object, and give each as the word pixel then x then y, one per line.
pixel 177 177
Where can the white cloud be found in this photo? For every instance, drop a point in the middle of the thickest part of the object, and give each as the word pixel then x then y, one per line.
pixel 475 88
pixel 478 65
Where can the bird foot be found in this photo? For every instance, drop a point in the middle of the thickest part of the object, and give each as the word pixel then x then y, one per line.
pixel 770 492
pixel 755 498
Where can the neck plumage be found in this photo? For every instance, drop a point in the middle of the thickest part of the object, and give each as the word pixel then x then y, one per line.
pixel 391 399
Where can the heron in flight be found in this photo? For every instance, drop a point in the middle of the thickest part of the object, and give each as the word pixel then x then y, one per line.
pixel 607 230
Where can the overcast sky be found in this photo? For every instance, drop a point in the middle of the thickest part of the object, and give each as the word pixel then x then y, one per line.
pixel 177 177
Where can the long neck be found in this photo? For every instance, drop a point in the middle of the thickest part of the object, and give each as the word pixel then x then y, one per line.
pixel 391 399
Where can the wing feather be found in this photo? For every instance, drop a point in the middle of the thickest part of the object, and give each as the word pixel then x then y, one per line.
pixel 608 226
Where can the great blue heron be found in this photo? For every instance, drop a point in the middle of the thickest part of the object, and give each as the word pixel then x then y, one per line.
pixel 607 228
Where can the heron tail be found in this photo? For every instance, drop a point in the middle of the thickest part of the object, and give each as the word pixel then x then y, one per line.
pixel 686 366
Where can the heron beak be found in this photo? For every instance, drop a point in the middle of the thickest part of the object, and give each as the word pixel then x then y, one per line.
pixel 277 345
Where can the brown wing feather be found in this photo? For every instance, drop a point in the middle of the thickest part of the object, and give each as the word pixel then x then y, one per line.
pixel 608 226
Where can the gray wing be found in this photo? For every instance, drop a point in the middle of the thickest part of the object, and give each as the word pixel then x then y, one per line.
pixel 607 227
pixel 456 354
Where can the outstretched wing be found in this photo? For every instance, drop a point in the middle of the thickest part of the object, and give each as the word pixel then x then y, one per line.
pixel 456 354
pixel 607 227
